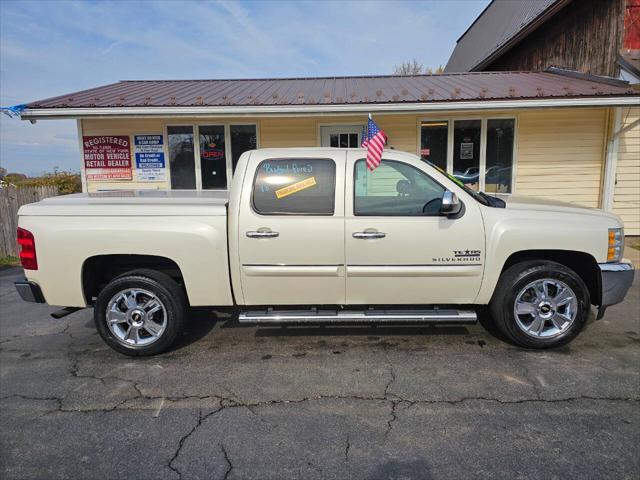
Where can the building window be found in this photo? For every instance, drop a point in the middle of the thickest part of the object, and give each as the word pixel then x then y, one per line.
pixel 479 151
pixel 181 157
pixel 243 138
pixel 209 164
pixel 466 151
pixel 433 143
pixel 213 157
pixel 344 140
pixel 499 164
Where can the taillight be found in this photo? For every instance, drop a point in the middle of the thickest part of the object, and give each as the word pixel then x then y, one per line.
pixel 27 244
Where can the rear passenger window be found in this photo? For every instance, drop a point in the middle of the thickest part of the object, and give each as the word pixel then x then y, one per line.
pixel 301 186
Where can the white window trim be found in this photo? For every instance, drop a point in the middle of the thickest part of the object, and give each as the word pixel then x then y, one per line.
pixel 83 171
pixel 196 147
pixel 483 141
pixel 337 124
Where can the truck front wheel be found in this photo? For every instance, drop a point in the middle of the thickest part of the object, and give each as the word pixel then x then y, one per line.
pixel 140 313
pixel 540 304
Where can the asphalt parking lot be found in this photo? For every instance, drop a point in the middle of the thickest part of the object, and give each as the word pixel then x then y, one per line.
pixel 373 403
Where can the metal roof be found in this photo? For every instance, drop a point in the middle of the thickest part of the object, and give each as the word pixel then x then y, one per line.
pixel 498 26
pixel 286 93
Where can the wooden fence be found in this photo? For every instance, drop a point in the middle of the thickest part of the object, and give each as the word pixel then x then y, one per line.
pixel 11 198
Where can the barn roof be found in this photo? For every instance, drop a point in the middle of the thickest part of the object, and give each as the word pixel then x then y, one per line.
pixel 499 26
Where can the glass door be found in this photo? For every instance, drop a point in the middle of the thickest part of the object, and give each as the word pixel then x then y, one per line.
pixel 467 135
pixel 433 142
pixel 213 157
pixel 499 165
pixel 243 138
pixel 181 157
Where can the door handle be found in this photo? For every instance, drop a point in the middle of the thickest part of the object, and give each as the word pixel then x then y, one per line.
pixel 368 235
pixel 262 233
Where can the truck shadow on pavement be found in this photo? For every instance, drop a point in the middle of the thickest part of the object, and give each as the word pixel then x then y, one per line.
pixel 200 322
pixel 345 330
pixel 373 330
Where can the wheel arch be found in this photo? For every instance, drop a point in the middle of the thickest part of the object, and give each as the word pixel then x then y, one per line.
pixel 99 270
pixel 584 264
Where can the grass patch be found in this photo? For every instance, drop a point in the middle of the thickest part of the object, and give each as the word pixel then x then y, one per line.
pixel 637 247
pixel 9 261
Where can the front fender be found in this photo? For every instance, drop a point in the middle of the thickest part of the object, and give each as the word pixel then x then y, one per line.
pixel 509 233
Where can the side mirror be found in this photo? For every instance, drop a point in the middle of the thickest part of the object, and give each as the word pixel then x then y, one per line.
pixel 450 204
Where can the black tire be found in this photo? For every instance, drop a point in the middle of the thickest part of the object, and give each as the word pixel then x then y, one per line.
pixel 516 278
pixel 160 285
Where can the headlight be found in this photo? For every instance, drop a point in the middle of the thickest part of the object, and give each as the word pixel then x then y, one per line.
pixel 616 245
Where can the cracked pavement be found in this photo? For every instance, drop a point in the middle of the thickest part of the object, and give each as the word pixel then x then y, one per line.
pixel 232 402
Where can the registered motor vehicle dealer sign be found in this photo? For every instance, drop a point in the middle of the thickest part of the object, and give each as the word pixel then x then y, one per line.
pixel 107 157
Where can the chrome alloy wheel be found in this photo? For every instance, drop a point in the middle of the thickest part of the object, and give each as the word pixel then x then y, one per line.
pixel 136 317
pixel 545 308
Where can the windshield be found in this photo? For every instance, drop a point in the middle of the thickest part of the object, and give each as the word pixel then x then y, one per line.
pixel 478 196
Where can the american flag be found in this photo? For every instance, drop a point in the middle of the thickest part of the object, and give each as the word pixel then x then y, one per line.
pixel 373 140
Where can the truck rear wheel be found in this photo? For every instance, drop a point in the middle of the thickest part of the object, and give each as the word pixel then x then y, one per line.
pixel 140 313
pixel 540 304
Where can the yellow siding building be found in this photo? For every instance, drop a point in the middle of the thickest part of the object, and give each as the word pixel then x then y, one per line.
pixel 626 197
pixel 542 134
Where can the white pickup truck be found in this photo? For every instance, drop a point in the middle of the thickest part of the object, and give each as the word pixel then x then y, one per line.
pixel 311 236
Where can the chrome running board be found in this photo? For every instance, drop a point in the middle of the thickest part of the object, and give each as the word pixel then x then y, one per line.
pixel 357 316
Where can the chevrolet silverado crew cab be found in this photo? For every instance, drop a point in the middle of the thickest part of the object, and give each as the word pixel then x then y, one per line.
pixel 312 236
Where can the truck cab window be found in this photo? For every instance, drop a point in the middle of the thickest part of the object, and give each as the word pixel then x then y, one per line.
pixel 395 189
pixel 300 186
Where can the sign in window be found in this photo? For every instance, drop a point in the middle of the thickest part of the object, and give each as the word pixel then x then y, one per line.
pixel 213 158
pixel 107 157
pixel 149 152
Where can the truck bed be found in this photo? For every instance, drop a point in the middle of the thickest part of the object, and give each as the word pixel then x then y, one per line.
pixel 132 203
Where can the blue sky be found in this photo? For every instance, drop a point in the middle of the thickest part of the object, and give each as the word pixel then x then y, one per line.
pixel 49 48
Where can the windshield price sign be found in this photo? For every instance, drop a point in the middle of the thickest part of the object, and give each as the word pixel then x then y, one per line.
pixel 107 157
pixel 150 162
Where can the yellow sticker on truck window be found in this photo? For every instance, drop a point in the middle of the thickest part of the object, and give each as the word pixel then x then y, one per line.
pixel 295 187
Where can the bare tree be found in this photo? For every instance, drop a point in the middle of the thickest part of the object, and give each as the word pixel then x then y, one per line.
pixel 430 71
pixel 411 67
